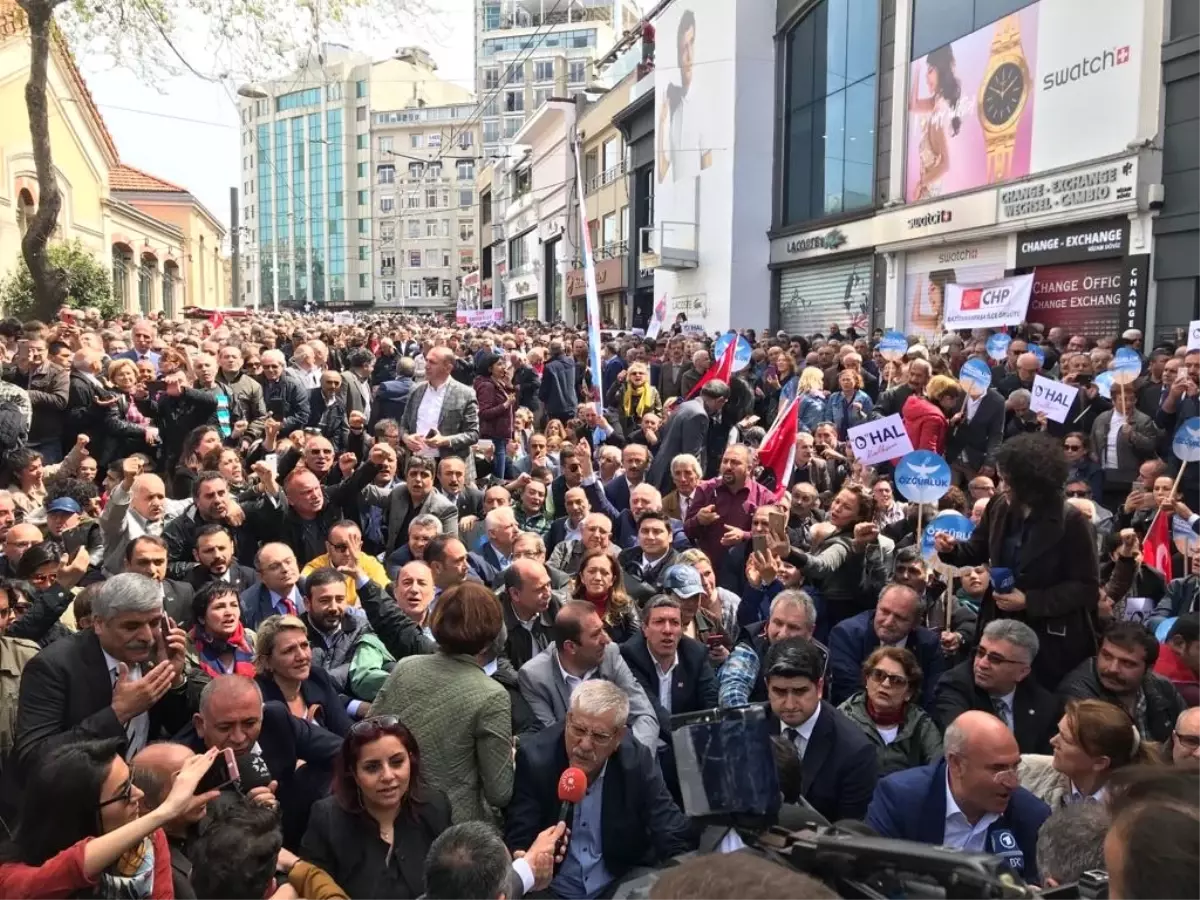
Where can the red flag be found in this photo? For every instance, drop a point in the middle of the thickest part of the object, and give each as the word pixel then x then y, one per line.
pixel 721 370
pixel 216 320
pixel 778 450
pixel 1156 548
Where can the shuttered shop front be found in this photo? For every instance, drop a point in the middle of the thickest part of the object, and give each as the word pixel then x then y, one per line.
pixel 811 298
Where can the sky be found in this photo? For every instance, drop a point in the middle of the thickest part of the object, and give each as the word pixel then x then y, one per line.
pixel 185 129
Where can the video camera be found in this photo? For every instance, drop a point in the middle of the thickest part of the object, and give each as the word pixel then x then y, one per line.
pixel 729 784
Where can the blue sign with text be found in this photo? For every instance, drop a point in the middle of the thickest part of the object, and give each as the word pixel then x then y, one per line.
pixel 922 476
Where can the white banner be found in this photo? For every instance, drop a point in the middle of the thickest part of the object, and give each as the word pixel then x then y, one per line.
pixel 1194 335
pixel 1052 398
pixel 477 318
pixel 882 439
pixel 988 305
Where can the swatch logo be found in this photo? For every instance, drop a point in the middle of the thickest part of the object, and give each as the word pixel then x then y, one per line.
pixel 1089 65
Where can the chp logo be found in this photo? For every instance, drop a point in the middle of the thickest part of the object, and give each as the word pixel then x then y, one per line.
pixel 985 298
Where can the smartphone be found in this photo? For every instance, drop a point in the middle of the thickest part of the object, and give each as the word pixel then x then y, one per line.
pixel 1082 380
pixel 272 462
pixel 772 372
pixel 778 519
pixel 714 639
pixel 222 773
pixel 164 628
pixel 432 433
pixel 156 387
pixel 68 317
pixel 760 543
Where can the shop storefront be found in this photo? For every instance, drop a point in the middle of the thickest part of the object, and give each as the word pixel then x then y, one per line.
pixel 610 285
pixel 927 272
pixel 521 293
pixel 1084 278
pixel 822 279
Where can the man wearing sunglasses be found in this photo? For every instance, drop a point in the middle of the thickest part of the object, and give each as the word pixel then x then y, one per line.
pixel 970 800
pixel 998 681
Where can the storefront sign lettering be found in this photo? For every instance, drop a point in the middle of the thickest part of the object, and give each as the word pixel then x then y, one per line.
pixel 1097 186
pixel 831 240
pixel 934 217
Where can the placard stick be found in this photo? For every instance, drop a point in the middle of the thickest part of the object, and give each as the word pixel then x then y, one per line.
pixel 1174 489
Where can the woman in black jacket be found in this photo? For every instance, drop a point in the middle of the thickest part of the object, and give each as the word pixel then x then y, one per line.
pixel 283 660
pixel 1047 544
pixel 373 833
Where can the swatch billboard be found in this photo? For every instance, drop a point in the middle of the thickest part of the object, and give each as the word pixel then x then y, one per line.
pixel 1049 86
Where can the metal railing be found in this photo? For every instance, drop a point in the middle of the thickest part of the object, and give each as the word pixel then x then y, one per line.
pixel 605 178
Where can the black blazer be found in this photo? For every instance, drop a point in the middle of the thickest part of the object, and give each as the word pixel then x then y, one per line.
pixel 348 847
pixel 469 501
pixel 693 684
pixel 1036 711
pixel 840 766
pixel 640 822
pixel 317 688
pixel 177 602
pixel 979 438
pixel 66 696
pixel 520 648
pixel 241 577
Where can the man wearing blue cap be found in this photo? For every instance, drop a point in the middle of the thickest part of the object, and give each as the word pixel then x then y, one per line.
pixel 65 524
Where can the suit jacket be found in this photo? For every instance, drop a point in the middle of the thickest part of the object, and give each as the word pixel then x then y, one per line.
pixel 469 502
pixel 521 645
pixel 486 564
pixel 66 696
pixel 462 721
pixel 1036 711
pixel 617 492
pixel 642 586
pixel 977 440
pixel 686 431
pixel 347 846
pixel 356 393
pixel 459 420
pixel 177 602
pixel 640 822
pixel 542 684
pixel 134 356
pixel 318 688
pixel 672 506
pixel 840 765
pixel 396 501
pixel 670 378
pixel 852 640
pixel 693 683
pixel 241 578
pixel 911 806
pixel 330 417
pixel 557 534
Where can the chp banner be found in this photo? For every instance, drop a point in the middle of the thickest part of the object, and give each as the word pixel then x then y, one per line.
pixel 882 439
pixel 989 305
pixel 475 318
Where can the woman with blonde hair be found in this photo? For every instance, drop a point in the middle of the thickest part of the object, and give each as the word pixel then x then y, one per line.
pixel 927 419
pixel 633 396
pixel 810 388
pixel 599 582
pixel 283 661
pixel 127 428
pixel 1095 739
pixel 850 405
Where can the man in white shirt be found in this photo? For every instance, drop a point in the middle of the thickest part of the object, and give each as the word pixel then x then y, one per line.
pixel 686 473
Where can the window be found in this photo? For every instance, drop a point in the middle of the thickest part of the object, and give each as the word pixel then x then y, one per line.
pixel 433 140
pixel 431 199
pixel 514 101
pixel 577 71
pixel 512 124
pixel 387 232
pixel 466 170
pixel 414 289
pixel 623 224
pixel 416 141
pixel 466 230
pixel 431 227
pixel 445 199
pixel 491 16
pixel 364 226
pixel 610 153
pixel 414 259
pixel 435 168
pixel 445 259
pixel 415 170
pixel 385 145
pixel 414 229
pixel 364 280
pixel 465 198
pixel 491 108
pixel 360 142
pixel 361 168
pixel 543 70
pixel 431 259
pixel 387 204
pixel 939 22
pixel 465 139
pixel 387 174
pixel 413 201
pixel 491 79
pixel 515 74
pixel 540 96
pixel 608 229
pixel 333 92
pixel 389 290
pixel 364 197
pixel 360 89
pixel 829 117
pixel 491 132
pixel 444 228
pixel 360 114
pixel 517 254
pixel 446 287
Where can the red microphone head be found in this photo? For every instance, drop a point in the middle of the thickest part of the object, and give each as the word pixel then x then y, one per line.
pixel 572 785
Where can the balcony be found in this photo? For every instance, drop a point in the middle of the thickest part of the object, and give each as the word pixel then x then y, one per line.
pixel 387 271
pixel 611 250
pixel 577 16
pixel 669 245
pixel 605 178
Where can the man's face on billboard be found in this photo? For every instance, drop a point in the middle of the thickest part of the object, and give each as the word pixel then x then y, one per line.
pixel 687 52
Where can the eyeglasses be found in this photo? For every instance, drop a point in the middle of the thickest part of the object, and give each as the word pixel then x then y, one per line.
pixel 1072 446
pixel 1187 741
pixel 879 676
pixel 340 548
pixel 373 724
pixel 579 733
pixel 123 796
pixel 996 659
pixel 1078 493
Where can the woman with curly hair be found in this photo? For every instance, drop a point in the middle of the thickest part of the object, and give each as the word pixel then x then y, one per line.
pixel 1047 545
pixel 599 583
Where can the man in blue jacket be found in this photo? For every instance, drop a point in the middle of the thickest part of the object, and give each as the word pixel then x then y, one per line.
pixel 971 800
pixel 894 621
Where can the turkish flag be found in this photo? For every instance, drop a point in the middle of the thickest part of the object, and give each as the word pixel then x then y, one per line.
pixel 216 320
pixel 778 450
pixel 1156 548
pixel 722 370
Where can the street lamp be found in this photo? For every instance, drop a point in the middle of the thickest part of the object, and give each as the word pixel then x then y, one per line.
pixel 252 92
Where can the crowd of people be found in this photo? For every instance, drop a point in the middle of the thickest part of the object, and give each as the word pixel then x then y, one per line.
pixel 292 608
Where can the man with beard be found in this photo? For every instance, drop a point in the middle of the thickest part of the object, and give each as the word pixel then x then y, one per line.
pixel 214 505
pixel 214 560
pixel 723 509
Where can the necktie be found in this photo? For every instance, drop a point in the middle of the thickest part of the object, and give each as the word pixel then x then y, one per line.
pixel 288 605
pixel 1003 711
pixel 683 507
pixel 796 739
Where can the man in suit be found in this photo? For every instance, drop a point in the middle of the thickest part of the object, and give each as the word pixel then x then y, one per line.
pixel 442 416
pixel 570 526
pixel 285 397
pixel 142 337
pixel 645 498
pixel 971 800
pixel 894 621
pixel 298 754
pixel 976 430
pixel 356 382
pixel 626 819
pixel 413 498
pixel 670 373
pixel 635 459
pixel 327 410
pixel 686 431
pixel 215 562
pixel 277 593
pixel 119 679
pixel 212 504
pixel 686 474
pixel 495 555
pixel 136 506
pixel 391 396
pixel 839 761
pixel 582 650
pixel 147 555
pixel 645 564
pixel 529 609
pixel 452 481
pixel 998 681
pixel 84 415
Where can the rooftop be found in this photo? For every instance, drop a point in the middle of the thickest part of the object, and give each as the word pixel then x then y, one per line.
pixel 125 177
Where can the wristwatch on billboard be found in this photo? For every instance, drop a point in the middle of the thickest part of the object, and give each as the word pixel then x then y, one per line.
pixel 1002 97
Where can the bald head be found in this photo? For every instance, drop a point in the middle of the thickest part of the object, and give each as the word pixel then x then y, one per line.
pixel 148 497
pixel 155 768
pixel 975 728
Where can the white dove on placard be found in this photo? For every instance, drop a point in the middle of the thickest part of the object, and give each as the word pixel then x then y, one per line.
pixel 924 471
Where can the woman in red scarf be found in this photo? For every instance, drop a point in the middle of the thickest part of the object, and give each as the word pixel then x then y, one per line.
pixel 601 584
pixel 223 646
pixel 903 734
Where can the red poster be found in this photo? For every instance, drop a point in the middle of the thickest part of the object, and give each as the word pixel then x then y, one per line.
pixel 1085 298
